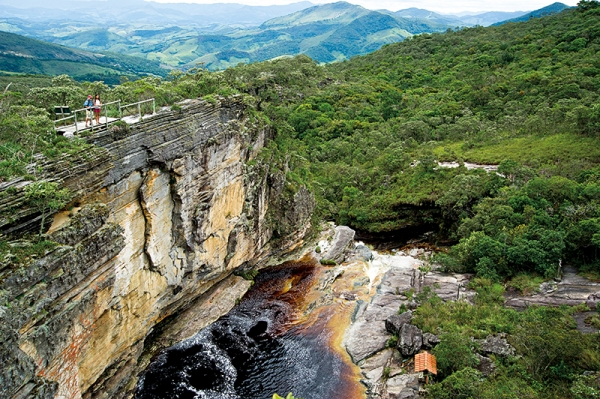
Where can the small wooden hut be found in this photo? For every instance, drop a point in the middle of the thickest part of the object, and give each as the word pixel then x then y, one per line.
pixel 425 363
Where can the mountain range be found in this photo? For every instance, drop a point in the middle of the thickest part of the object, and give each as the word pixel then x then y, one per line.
pixel 217 36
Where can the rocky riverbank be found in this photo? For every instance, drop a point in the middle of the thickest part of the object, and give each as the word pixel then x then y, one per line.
pixel 390 282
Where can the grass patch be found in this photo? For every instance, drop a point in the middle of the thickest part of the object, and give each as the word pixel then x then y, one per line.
pixel 526 284
pixel 22 252
pixel 526 150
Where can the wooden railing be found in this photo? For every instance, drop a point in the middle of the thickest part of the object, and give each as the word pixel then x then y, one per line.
pixel 104 107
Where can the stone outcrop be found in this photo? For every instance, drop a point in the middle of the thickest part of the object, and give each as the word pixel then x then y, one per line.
pixel 337 249
pixel 368 338
pixel 495 345
pixel 166 213
pixel 571 290
pixel 430 340
pixel 410 340
pixel 394 323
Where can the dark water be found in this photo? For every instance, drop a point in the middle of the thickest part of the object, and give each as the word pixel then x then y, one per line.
pixel 259 348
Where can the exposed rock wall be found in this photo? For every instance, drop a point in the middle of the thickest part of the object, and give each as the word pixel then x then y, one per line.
pixel 167 211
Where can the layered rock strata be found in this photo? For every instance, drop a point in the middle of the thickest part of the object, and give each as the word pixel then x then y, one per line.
pixel 167 210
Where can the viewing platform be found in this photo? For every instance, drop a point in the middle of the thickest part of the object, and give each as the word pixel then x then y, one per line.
pixel 108 116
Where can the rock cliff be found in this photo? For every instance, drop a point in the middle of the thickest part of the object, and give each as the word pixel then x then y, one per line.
pixel 165 211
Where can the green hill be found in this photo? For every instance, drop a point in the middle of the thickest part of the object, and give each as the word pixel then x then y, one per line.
pixel 542 12
pixel 19 54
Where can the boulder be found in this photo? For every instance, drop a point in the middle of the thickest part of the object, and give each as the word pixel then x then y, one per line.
pixel 430 340
pixel 363 253
pixel 394 323
pixel 344 236
pixel 495 345
pixel 486 365
pixel 404 386
pixel 410 340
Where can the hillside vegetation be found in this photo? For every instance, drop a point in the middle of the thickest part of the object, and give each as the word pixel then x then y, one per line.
pixel 19 54
pixel 366 136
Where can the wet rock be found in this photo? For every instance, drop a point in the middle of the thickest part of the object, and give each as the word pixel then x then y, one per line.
pixel 548 287
pixel 495 345
pixel 329 277
pixel 430 340
pixel 367 335
pixel 361 282
pixel 363 253
pixel 410 340
pixel 344 236
pixel 394 323
pixel 405 386
pixel 486 365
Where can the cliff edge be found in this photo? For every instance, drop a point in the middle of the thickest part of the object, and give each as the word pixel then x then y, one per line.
pixel 164 211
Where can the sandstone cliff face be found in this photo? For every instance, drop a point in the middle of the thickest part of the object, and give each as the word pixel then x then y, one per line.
pixel 166 212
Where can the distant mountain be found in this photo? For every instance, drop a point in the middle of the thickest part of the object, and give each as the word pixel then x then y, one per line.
pixel 419 13
pixel 483 19
pixel 19 54
pixel 139 11
pixel 331 14
pixel 490 18
pixel 542 12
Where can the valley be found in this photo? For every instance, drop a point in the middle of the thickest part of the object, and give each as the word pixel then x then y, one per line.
pixel 221 224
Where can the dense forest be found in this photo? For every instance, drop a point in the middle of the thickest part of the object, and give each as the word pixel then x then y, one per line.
pixel 367 137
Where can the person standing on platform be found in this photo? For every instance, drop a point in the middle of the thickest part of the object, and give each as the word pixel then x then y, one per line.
pixel 88 105
pixel 97 108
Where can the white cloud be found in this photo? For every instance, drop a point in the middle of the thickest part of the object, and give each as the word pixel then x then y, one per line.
pixel 449 7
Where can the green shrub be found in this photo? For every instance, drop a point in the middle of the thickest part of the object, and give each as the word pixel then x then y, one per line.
pixel 247 274
pixel 463 384
pixel 392 342
pixel 525 283
pixel 454 352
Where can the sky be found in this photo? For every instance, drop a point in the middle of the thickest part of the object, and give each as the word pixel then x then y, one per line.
pixel 447 6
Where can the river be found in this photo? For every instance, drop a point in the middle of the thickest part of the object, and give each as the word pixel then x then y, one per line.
pixel 285 335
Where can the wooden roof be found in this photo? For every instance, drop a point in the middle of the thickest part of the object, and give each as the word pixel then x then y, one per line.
pixel 425 361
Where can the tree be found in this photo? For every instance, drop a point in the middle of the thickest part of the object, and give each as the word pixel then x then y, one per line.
pixel 46 197
pixel 585 5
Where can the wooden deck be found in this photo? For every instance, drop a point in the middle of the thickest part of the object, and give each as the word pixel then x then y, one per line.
pixel 72 130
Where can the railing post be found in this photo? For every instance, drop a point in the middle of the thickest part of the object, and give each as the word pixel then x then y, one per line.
pixel 120 111
pixel 76 127
pixel 106 115
pixel 140 110
pixel 153 107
